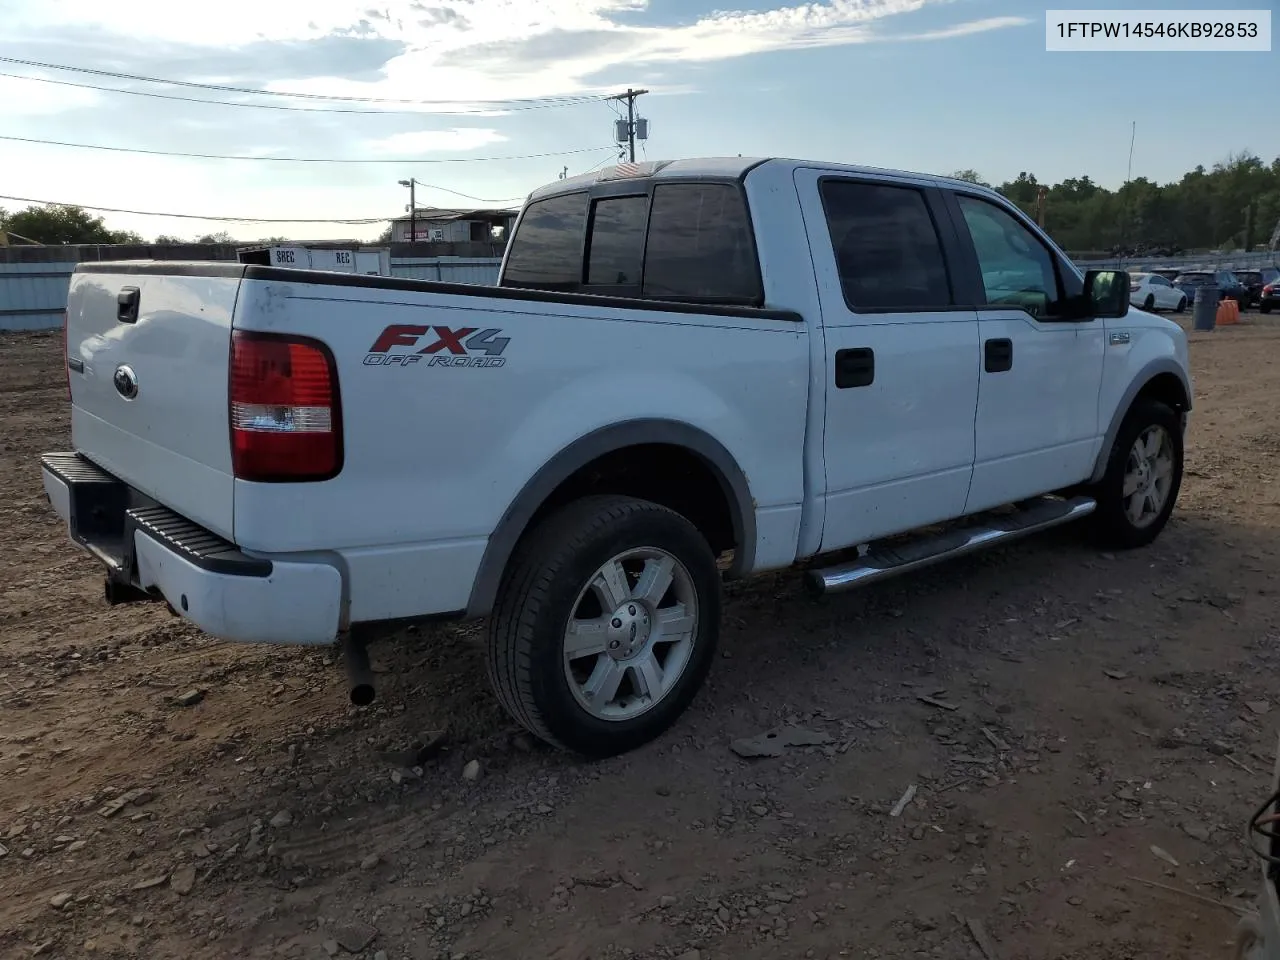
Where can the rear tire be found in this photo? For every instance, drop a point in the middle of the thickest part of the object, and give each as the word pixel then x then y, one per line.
pixel 1264 308
pixel 605 625
pixel 1149 304
pixel 1182 305
pixel 1137 493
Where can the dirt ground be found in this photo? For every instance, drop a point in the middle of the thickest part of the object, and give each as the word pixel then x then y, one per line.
pixel 1107 724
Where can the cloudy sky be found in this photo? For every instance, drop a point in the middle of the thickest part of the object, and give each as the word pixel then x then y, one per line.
pixel 932 85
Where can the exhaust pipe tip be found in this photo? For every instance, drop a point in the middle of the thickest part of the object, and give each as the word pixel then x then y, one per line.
pixel 115 592
pixel 359 672
pixel 815 584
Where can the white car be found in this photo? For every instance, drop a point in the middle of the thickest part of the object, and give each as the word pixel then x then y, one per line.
pixel 1152 292
pixel 687 370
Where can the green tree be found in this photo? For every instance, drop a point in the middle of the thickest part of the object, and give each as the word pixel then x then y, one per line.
pixel 59 224
pixel 168 240
pixel 220 237
pixel 1204 210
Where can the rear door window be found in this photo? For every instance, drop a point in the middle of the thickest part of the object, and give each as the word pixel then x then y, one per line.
pixel 700 246
pixel 887 250
pixel 546 250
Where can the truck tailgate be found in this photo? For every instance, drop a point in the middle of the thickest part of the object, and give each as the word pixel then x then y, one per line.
pixel 147 359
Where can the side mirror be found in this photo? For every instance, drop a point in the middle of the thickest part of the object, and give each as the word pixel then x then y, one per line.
pixel 1106 294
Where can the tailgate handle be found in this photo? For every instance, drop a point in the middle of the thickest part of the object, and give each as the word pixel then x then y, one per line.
pixel 127 304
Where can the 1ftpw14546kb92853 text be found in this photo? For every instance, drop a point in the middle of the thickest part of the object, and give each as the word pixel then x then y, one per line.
pixel 688 371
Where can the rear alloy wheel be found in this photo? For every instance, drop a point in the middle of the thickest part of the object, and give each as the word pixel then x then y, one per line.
pixel 1144 474
pixel 605 625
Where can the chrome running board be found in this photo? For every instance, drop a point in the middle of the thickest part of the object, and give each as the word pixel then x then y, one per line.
pixel 890 560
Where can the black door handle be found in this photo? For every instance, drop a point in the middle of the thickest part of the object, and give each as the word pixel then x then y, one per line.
pixel 998 355
pixel 855 367
pixel 127 304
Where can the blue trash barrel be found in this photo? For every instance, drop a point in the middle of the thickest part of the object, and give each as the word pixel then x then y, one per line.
pixel 1205 311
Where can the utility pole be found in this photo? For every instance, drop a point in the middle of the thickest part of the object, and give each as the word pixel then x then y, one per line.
pixel 413 209
pixel 630 97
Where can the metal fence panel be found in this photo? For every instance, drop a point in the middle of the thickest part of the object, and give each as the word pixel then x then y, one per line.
pixel 33 295
pixel 1192 261
pixel 449 269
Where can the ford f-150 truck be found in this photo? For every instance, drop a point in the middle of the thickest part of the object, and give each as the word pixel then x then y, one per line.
pixel 688 371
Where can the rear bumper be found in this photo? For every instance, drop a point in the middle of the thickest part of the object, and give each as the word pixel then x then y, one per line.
pixel 206 579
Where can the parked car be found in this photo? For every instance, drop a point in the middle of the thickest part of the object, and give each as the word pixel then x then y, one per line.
pixel 1229 288
pixel 686 367
pixel 1150 291
pixel 1254 280
pixel 1270 297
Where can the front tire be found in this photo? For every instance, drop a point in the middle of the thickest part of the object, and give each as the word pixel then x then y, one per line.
pixel 1144 474
pixel 605 625
pixel 1182 305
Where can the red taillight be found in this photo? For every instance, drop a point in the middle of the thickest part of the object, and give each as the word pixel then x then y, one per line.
pixel 286 416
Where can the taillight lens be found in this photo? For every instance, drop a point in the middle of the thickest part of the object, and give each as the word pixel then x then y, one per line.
pixel 286 415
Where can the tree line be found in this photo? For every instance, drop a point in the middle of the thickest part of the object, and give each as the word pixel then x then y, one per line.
pixel 1233 206
pixel 63 224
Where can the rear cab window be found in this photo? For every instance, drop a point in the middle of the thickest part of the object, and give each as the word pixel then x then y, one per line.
pixel 546 251
pixel 681 241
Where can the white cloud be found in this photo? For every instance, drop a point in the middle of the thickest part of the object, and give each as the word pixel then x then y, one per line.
pixel 462 50
pixel 967 29
pixel 432 141
pixel 487 49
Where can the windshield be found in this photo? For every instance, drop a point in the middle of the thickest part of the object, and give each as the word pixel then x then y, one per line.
pixel 1194 278
pixel 1249 276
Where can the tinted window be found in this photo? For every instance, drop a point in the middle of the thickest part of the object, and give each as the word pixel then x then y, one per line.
pixel 546 251
pixel 617 241
pixel 1194 278
pixel 700 245
pixel 1017 269
pixel 1249 276
pixel 887 250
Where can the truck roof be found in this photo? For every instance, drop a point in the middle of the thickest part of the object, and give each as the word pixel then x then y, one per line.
pixel 719 168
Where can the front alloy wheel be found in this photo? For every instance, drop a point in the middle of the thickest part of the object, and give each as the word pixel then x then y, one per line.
pixel 1148 476
pixel 1140 486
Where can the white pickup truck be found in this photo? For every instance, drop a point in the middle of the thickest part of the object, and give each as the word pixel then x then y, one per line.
pixel 689 370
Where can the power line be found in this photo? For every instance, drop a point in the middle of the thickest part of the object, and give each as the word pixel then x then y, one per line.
pixel 194 216
pixel 565 99
pixel 282 106
pixel 228 156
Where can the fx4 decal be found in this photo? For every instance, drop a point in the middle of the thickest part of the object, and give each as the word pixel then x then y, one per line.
pixel 451 347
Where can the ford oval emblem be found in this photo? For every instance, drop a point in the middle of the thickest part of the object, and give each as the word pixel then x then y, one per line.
pixel 126 381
